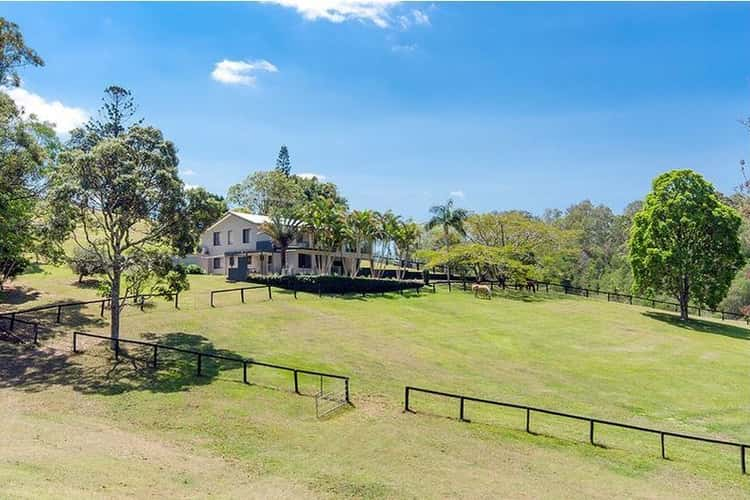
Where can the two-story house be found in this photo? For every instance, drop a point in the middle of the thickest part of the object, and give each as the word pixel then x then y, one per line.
pixel 235 246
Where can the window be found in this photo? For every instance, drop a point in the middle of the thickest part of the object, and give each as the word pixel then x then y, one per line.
pixel 304 261
pixel 249 260
pixel 229 237
pixel 231 261
pixel 246 236
pixel 217 239
pixel 217 262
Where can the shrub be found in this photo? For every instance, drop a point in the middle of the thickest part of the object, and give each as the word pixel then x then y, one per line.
pixel 84 263
pixel 336 284
pixel 193 269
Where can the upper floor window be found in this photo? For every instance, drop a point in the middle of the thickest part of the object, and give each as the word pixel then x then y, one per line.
pixel 229 237
pixel 217 239
pixel 246 236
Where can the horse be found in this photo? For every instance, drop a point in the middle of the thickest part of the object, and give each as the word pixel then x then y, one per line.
pixel 481 291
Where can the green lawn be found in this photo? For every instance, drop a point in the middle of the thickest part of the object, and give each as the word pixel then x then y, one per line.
pixel 83 425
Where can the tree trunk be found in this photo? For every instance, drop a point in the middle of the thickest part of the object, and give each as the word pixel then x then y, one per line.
pixel 283 257
pixel 684 298
pixel 114 309
pixel 447 249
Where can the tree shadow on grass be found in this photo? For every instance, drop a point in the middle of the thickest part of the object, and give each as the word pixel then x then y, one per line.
pixel 699 325
pixel 95 371
pixel 18 295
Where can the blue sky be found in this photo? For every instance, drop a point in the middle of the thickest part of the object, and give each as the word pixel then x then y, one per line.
pixel 507 106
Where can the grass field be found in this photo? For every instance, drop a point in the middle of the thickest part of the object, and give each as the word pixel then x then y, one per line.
pixel 83 425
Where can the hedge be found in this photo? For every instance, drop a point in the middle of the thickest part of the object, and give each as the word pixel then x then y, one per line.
pixel 336 284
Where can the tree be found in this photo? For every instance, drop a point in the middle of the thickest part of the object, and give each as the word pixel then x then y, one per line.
pixel 405 240
pixel 27 151
pixel 124 194
pixel 204 208
pixel 685 242
pixel 116 116
pixel 283 163
pixel 484 261
pixel 361 230
pixel 448 219
pixel 267 193
pixel 84 262
pixel 283 231
pixel 326 220
pixel 14 54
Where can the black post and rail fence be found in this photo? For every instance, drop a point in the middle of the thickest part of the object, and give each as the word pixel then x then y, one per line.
pixel 200 355
pixel 592 421
pixel 13 322
pixel 611 296
pixel 139 300
pixel 242 292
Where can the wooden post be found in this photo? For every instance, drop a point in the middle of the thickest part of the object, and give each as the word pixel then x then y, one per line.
pixel 59 312
pixel 156 347
pixel 528 420
pixel 269 292
pixel 101 313
pixel 663 451
pixel 296 382
pixel 406 399
pixel 242 295
pixel 244 371
pixel 591 432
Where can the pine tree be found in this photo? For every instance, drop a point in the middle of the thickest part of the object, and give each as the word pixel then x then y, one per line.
pixel 283 164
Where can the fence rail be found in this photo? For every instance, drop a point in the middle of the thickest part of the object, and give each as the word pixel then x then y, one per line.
pixel 242 292
pixel 590 292
pixel 12 321
pixel 102 302
pixel 245 362
pixel 591 420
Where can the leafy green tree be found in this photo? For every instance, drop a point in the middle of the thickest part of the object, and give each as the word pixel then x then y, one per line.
pixel 361 233
pixel 481 260
pixel 326 221
pixel 405 237
pixel 84 262
pixel 449 219
pixel 684 241
pixel 204 208
pixel 14 54
pixel 124 195
pixel 283 231
pixel 283 163
pixel 115 117
pixel 27 152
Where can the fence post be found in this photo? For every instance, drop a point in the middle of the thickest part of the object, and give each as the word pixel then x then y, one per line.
pixel 320 290
pixel 36 333
pixel 406 398
pixel 294 288
pixel 101 312
pixel 449 285
pixel 242 295
pixel 244 371
pixel 699 312
pixel 591 431
pixel 607 296
pixel 722 315
pixel 346 389
pixel 464 283
pixel 12 321
pixel 59 312
pixel 75 343
pixel 212 299
pixel 156 347
pixel 663 451
pixel 296 382
pixel 117 349
pixel 177 300
pixel 528 420
pixel 269 292
pixel 200 362
pixel 742 458
pixel 630 298
pixel 143 300
pixel 461 412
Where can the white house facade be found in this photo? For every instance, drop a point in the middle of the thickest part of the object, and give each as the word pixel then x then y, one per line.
pixel 235 246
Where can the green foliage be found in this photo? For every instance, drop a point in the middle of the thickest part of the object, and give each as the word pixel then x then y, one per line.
pixel 283 163
pixel 684 242
pixel 14 54
pixel 481 261
pixel 283 231
pixel 336 284
pixel 193 269
pixel 273 192
pixel 203 208
pixel 84 263
pixel 121 188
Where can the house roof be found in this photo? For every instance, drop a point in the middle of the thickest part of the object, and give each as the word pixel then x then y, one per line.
pixel 254 218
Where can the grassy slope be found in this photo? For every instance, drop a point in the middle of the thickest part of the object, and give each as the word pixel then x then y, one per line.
pixel 77 425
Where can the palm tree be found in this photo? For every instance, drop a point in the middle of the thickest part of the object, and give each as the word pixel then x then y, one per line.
pixel 325 219
pixel 405 239
pixel 283 232
pixel 361 228
pixel 448 218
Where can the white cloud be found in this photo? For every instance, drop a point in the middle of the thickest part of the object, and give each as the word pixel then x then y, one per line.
pixel 309 175
pixel 338 11
pixel 188 173
pixel 420 17
pixel 457 194
pixel 240 72
pixel 404 48
pixel 63 117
